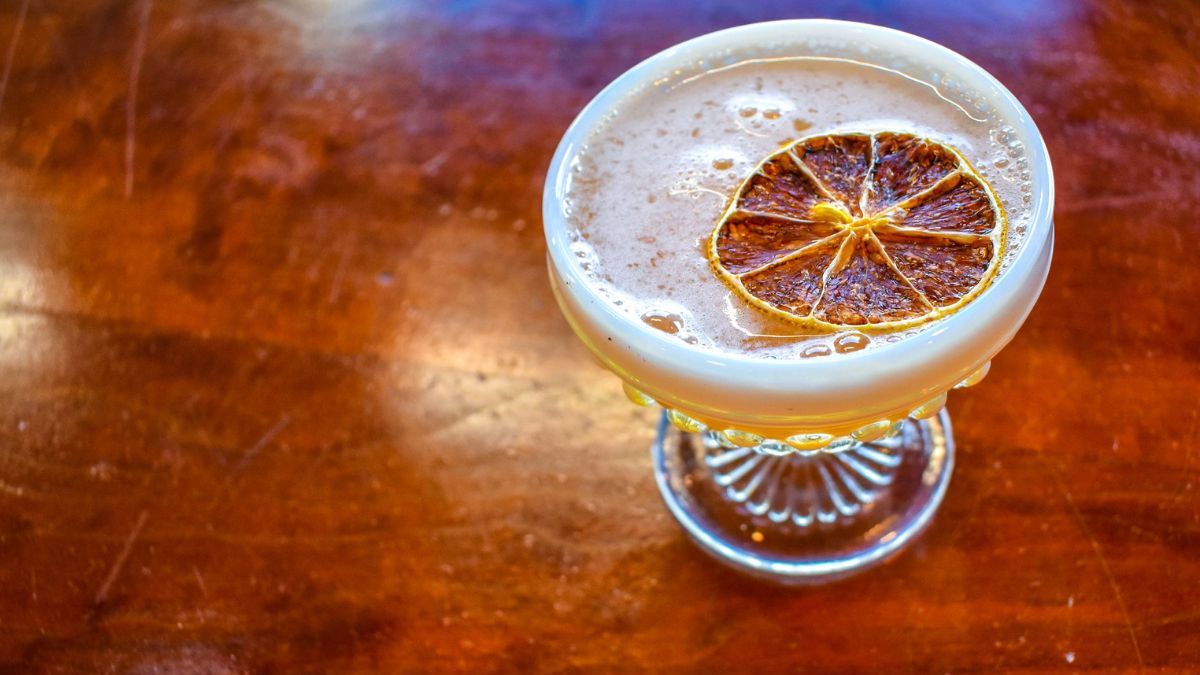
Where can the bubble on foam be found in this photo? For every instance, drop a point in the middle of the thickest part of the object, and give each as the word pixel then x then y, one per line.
pixel 1003 135
pixel 850 342
pixel 815 350
pixel 667 322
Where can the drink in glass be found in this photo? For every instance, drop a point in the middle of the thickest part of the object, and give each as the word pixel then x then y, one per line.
pixel 796 237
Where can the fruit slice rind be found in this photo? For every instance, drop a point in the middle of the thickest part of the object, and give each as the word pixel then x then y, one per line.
pixel 876 228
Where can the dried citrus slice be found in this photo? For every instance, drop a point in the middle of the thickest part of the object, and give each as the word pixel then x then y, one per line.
pixel 878 231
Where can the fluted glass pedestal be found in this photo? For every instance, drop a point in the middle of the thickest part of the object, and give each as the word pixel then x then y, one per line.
pixel 803 518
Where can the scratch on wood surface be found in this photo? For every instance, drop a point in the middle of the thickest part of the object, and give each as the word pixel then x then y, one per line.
pixel 1187 459
pixel 262 441
pixel 33 583
pixel 431 166
pixel 135 74
pixel 1190 615
pixel 12 50
pixel 200 581
pixel 1112 581
pixel 339 273
pixel 1116 201
pixel 119 563
pixel 14 490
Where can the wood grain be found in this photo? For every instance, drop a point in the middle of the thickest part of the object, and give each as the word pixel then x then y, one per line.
pixel 283 388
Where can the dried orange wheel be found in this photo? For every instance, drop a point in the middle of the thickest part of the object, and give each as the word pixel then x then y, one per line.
pixel 878 231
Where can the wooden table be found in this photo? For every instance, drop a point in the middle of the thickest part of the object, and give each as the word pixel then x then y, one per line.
pixel 283 387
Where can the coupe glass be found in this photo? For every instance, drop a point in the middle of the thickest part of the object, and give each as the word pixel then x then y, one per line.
pixel 807 470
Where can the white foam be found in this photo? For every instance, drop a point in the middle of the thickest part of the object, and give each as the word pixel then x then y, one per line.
pixel 650 183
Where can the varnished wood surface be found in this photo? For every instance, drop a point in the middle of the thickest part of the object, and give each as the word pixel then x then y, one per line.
pixel 283 388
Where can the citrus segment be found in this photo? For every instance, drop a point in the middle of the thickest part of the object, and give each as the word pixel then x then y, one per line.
pixel 881 230
pixel 866 289
pixel 942 269
pixel 904 166
pixel 794 285
pixel 781 187
pixel 840 163
pixel 958 204
pixel 749 241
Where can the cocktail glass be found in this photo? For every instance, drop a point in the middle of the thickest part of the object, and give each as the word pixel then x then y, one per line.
pixel 808 470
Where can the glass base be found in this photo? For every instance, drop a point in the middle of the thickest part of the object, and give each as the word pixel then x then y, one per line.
pixel 805 518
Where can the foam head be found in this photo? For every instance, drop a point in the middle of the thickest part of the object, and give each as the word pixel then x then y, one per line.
pixel 647 168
